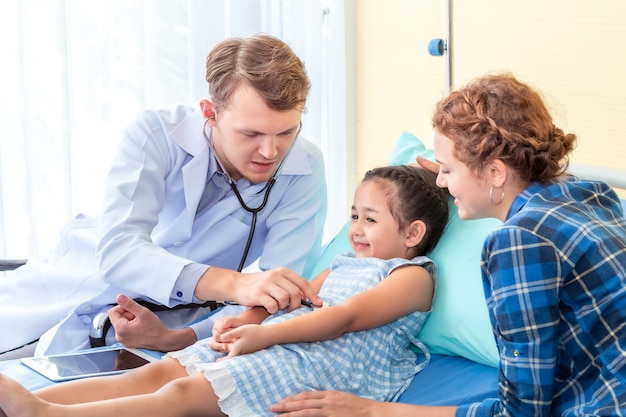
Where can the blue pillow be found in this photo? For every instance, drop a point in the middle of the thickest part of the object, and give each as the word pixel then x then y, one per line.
pixel 459 323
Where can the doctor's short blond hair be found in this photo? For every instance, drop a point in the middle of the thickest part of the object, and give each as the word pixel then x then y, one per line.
pixel 263 62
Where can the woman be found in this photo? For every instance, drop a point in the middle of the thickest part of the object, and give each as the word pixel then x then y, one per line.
pixel 553 274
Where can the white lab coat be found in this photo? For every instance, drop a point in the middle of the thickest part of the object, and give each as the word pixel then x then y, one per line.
pixel 149 232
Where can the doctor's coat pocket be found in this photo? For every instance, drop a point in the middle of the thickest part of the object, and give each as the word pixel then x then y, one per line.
pixel 71 267
pixel 78 235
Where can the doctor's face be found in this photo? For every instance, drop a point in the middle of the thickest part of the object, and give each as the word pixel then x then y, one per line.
pixel 251 139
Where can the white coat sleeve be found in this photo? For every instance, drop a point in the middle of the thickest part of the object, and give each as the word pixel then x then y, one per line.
pixel 126 254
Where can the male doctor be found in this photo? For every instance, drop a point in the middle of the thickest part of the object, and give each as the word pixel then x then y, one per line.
pixel 188 189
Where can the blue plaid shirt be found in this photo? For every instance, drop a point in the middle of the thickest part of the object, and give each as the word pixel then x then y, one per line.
pixel 555 282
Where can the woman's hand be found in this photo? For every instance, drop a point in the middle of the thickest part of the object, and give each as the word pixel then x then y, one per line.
pixel 326 404
pixel 341 404
pixel 427 164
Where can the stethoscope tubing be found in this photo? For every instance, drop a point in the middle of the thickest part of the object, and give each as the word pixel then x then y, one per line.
pixel 268 188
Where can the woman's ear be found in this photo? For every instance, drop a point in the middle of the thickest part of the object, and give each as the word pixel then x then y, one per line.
pixel 415 233
pixel 497 173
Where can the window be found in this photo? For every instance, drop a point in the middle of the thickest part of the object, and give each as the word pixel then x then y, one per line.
pixel 75 73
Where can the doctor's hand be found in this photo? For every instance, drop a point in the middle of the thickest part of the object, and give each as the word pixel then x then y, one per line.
pixel 138 327
pixel 275 289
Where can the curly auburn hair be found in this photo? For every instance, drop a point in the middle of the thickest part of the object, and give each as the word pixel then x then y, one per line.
pixel 263 62
pixel 499 117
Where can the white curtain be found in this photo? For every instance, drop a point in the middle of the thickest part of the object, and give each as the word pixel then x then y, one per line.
pixel 75 72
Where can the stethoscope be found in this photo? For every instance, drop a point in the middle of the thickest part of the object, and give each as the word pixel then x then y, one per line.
pixel 101 322
pixel 268 188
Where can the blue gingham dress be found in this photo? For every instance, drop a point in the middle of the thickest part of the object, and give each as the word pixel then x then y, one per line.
pixel 376 363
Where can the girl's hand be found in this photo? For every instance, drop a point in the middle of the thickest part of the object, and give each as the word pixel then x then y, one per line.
pixel 245 339
pixel 221 326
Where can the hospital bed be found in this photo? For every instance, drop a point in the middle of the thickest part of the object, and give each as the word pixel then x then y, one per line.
pixel 463 366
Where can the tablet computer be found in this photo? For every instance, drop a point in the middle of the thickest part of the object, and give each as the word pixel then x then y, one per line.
pixel 87 363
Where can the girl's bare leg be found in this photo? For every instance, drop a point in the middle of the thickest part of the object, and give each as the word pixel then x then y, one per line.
pixel 189 396
pixel 142 380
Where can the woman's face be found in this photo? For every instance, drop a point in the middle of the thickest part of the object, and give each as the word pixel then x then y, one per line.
pixel 471 194
pixel 250 138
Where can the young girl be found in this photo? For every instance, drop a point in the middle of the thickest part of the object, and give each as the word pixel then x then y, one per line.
pixel 554 274
pixel 376 301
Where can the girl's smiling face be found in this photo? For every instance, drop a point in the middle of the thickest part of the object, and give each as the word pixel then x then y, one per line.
pixel 373 231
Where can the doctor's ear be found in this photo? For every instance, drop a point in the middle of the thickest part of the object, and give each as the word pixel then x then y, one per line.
pixel 208 109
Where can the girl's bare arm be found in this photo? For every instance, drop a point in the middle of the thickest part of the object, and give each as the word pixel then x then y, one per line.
pixel 405 290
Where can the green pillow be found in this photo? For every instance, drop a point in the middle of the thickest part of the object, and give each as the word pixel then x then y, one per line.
pixel 339 244
pixel 459 323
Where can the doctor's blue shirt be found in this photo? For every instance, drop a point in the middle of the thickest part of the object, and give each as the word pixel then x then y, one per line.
pixel 169 214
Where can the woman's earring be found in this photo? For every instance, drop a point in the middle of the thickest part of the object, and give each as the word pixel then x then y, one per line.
pixel 495 203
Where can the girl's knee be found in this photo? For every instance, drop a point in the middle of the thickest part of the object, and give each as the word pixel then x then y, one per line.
pixel 192 383
pixel 193 394
pixel 160 372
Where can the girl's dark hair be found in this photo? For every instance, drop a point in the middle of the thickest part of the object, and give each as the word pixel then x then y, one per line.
pixel 412 194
